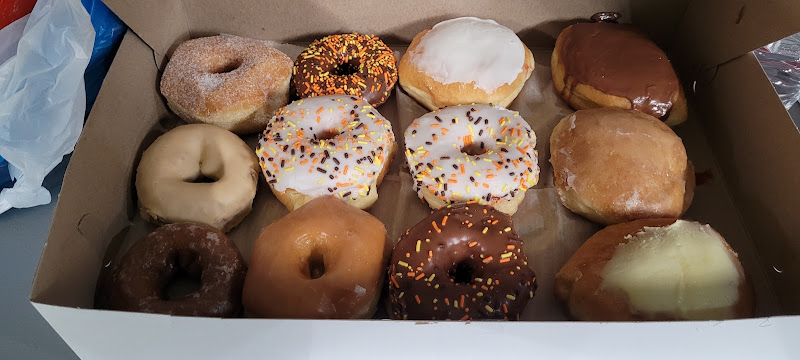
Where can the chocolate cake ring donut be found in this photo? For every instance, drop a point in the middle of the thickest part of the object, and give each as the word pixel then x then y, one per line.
pixel 139 280
pixel 462 262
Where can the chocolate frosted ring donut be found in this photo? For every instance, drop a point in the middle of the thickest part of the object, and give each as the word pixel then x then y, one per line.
pixel 351 64
pixel 140 279
pixel 462 262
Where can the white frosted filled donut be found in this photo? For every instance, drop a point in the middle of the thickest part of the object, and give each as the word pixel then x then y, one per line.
pixel 328 145
pixel 476 153
pixel 197 173
pixel 463 61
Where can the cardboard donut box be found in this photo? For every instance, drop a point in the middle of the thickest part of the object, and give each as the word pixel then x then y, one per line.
pixel 738 135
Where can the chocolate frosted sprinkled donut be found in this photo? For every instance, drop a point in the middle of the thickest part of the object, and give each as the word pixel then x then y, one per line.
pixel 462 262
pixel 351 64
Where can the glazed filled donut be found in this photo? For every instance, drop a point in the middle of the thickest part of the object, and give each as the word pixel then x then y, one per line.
pixel 324 260
pixel 350 64
pixel 229 81
pixel 655 269
pixel 139 281
pixel 614 166
pixel 604 64
pixel 465 61
pixel 475 153
pixel 462 262
pixel 328 145
pixel 197 173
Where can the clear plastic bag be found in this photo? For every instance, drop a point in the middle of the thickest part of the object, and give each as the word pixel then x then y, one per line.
pixel 781 62
pixel 42 97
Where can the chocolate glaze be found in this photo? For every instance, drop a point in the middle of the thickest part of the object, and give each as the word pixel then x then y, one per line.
pixel 609 17
pixel 619 60
pixel 139 280
pixel 462 262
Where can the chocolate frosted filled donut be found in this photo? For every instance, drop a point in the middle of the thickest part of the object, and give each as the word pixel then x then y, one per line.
pixel 462 262
pixel 140 280
pixel 605 64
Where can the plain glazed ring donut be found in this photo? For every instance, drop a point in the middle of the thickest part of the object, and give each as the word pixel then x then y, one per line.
pixel 328 145
pixel 351 64
pixel 324 260
pixel 140 279
pixel 462 262
pixel 229 81
pixel 172 180
pixel 472 153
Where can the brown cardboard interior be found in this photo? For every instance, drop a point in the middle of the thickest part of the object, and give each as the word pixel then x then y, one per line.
pixel 97 210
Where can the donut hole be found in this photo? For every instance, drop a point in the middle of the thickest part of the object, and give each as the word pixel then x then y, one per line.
pixel 184 278
pixel 315 266
pixel 474 149
pixel 227 66
pixel 327 134
pixel 202 179
pixel 463 272
pixel 348 68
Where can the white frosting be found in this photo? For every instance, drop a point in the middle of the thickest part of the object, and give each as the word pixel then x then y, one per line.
pixel 434 144
pixel 683 270
pixel 345 165
pixel 469 49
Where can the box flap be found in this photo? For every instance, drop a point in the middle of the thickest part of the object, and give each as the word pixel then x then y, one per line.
pixel 158 22
pixel 164 24
pixel 756 145
pixel 715 31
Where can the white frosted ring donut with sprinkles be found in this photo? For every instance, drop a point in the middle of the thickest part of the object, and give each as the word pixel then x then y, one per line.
pixel 479 153
pixel 328 145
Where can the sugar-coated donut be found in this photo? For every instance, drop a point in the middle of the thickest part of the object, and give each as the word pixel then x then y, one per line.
pixel 198 173
pixel 465 61
pixel 350 64
pixel 324 260
pixel 613 166
pixel 462 262
pixel 478 153
pixel 604 64
pixel 655 269
pixel 229 81
pixel 139 280
pixel 327 145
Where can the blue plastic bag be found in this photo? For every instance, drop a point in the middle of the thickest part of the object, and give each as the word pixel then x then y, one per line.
pixel 108 30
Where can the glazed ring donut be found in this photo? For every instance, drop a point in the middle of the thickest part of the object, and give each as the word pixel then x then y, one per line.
pixel 139 280
pixel 472 153
pixel 462 262
pixel 604 64
pixel 324 260
pixel 464 61
pixel 172 177
pixel 328 145
pixel 351 64
pixel 229 81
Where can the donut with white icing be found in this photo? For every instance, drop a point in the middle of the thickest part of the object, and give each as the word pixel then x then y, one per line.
pixel 335 145
pixel 478 153
pixel 464 61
